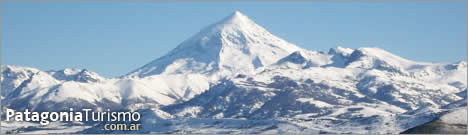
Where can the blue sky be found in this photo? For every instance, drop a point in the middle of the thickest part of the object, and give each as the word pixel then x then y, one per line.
pixel 114 38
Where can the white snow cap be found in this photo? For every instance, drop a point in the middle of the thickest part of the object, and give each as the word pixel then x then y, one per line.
pixel 235 44
pixel 236 18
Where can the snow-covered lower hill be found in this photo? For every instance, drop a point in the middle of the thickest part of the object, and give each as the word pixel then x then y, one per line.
pixel 450 123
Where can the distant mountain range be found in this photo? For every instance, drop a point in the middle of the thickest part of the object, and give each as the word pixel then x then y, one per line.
pixel 236 77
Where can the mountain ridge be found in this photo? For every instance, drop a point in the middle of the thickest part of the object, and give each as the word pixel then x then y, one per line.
pixel 234 73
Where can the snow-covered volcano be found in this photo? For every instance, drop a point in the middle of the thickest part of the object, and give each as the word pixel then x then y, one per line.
pixel 220 48
pixel 236 77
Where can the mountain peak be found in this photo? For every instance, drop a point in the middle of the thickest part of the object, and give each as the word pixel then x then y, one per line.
pixel 80 75
pixel 238 15
pixel 341 50
pixel 295 57
pixel 236 18
pixel 234 44
pixel 235 22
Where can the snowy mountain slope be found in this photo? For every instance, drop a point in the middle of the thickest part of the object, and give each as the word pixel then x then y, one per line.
pixel 235 73
pixel 304 59
pixel 47 91
pixel 219 48
pixel 453 122
pixel 318 95
pixel 371 57
pixel 13 76
pixel 340 56
pixel 80 75
pixel 40 88
pixel 456 117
